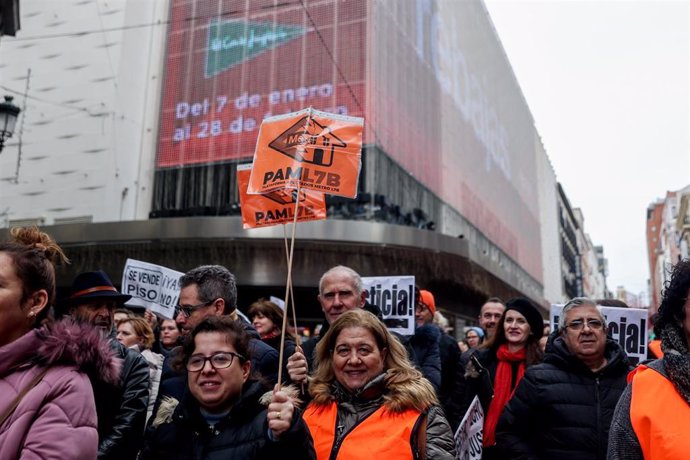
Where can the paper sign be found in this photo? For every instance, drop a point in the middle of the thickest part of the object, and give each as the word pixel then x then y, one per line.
pixel 394 295
pixel 152 286
pixel 311 149
pixel 469 437
pixel 627 326
pixel 277 301
pixel 278 206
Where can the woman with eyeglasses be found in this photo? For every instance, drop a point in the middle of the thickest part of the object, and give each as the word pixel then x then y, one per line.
pixel 563 407
pixel 495 369
pixel 225 414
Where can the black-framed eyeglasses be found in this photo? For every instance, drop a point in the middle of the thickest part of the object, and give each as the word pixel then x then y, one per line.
pixel 592 323
pixel 187 310
pixel 220 360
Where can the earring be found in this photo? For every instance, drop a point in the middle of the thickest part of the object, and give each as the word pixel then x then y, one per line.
pixel 32 314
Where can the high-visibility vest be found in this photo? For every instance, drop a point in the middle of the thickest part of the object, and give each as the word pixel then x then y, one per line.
pixel 659 416
pixel 382 435
pixel 655 347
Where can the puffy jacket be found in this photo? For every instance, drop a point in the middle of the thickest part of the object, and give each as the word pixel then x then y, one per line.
pixel 561 409
pixel 122 408
pixel 427 357
pixel 56 419
pixel 155 362
pixel 450 365
pixel 180 432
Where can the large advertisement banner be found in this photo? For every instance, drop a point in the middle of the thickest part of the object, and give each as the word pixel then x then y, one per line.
pixel 232 63
pixel 446 105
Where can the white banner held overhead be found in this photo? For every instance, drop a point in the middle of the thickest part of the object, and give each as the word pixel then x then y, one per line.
pixel 394 295
pixel 152 286
pixel 469 437
pixel 627 326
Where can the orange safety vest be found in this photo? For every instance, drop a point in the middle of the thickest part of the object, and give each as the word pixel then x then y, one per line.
pixel 655 347
pixel 380 436
pixel 659 416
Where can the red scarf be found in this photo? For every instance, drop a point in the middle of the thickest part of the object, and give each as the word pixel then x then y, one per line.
pixel 502 390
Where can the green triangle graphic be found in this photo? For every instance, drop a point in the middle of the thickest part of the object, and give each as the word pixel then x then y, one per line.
pixel 233 42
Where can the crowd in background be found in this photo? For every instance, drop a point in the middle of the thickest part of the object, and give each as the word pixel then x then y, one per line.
pixel 87 377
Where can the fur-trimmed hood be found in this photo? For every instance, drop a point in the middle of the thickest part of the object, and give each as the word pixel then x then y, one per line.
pixel 398 393
pixel 65 342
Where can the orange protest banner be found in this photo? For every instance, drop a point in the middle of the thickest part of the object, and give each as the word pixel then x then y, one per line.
pixel 308 149
pixel 277 207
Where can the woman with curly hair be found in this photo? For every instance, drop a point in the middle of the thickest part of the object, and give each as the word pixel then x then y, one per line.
pixel 651 417
pixel 47 407
pixel 364 386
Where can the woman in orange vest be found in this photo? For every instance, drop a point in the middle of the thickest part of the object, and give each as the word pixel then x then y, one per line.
pixel 368 399
pixel 651 418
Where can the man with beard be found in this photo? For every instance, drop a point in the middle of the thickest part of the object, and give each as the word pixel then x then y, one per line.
pixel 121 410
pixel 489 315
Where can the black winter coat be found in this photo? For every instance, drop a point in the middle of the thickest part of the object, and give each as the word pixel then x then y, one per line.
pixel 450 364
pixel 122 410
pixel 242 434
pixel 561 409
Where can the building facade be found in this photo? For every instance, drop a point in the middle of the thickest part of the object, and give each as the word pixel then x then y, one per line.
pixel 136 114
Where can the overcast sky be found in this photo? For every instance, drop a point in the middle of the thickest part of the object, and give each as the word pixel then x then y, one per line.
pixel 607 83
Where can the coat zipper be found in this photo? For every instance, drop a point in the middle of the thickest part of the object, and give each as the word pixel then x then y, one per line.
pixel 338 441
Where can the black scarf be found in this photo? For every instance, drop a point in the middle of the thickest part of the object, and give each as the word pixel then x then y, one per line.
pixel 676 359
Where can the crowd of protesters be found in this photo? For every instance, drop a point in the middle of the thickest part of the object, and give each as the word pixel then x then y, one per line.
pixel 83 377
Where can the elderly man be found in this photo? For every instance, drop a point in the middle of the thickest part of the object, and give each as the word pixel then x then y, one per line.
pixel 121 410
pixel 563 407
pixel 340 290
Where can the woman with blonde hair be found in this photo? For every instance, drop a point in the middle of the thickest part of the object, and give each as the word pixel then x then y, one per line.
pixel 136 333
pixel 363 386
pixel 47 407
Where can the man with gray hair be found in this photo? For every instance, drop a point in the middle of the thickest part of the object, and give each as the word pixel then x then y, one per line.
pixel 562 408
pixel 340 290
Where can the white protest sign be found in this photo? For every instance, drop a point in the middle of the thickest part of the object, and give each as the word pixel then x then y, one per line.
pixel 627 326
pixel 468 438
pixel 394 295
pixel 151 286
pixel 278 301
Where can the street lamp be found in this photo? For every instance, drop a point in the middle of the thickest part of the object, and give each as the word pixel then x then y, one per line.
pixel 8 119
